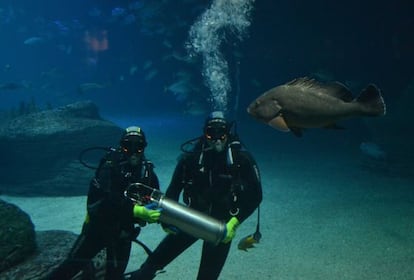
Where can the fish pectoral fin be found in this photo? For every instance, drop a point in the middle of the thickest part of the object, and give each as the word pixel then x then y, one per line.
pixel 279 123
pixel 333 126
pixel 296 131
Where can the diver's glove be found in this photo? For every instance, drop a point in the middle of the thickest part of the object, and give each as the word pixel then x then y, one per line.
pixel 149 213
pixel 170 229
pixel 231 228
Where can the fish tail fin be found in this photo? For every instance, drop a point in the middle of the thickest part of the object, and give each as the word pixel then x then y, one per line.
pixel 372 101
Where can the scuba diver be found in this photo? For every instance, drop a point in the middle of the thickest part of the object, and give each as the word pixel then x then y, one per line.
pixel 111 217
pixel 217 176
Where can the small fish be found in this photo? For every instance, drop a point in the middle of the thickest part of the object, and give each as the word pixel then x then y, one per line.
pixel 33 41
pixel 151 74
pixel 61 27
pixel 82 88
pixel 132 70
pixel 307 103
pixel 167 44
pixel 118 11
pixel 372 151
pixel 249 241
pixel 195 108
pixel 181 87
pixel 129 19
pixel 147 65
pixel 95 12
pixel 11 86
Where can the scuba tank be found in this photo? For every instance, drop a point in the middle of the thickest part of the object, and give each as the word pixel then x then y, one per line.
pixel 186 219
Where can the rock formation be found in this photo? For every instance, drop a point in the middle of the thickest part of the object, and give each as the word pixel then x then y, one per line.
pixel 26 254
pixel 17 235
pixel 40 150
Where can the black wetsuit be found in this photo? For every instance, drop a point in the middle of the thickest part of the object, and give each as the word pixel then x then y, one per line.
pixel 209 184
pixel 110 223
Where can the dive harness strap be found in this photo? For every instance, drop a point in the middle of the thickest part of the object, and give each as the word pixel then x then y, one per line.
pixel 258 219
pixel 134 238
pixel 145 247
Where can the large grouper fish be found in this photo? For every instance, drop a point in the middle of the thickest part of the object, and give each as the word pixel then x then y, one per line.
pixel 307 103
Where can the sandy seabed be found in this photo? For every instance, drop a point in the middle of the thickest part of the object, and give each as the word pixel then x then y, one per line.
pixel 322 217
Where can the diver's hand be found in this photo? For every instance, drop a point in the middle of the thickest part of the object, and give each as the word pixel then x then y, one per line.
pixel 231 228
pixel 148 213
pixel 170 229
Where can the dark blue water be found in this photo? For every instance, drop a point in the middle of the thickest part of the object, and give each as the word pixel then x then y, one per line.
pixel 164 64
pixel 145 51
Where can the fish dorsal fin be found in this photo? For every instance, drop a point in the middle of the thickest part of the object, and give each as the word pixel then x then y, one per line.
pixel 302 81
pixel 340 91
pixel 335 89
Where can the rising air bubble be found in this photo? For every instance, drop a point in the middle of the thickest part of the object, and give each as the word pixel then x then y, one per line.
pixel 205 37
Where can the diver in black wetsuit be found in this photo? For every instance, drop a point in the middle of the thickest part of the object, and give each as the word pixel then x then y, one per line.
pixel 110 219
pixel 219 178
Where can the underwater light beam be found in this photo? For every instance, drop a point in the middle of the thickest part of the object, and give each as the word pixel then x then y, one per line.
pixel 205 38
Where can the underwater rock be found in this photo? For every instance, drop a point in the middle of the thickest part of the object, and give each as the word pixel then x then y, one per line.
pixel 17 235
pixel 40 150
pixel 52 248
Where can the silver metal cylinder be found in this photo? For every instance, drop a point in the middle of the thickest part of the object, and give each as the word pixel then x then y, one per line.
pixel 190 221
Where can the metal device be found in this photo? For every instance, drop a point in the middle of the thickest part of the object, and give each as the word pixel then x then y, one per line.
pixel 173 213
